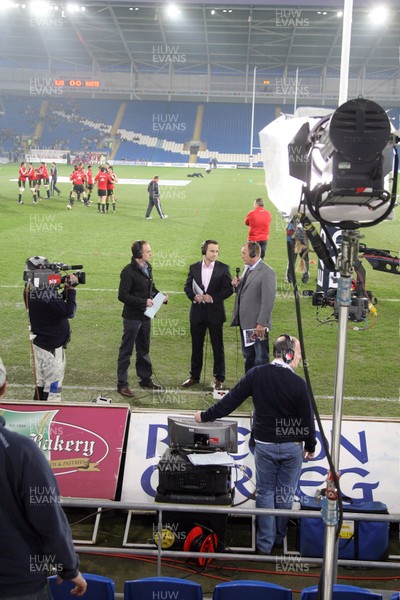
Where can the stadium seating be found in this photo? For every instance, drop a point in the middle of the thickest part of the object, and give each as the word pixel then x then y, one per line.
pixel 162 587
pixel 250 590
pixel 341 592
pixel 98 588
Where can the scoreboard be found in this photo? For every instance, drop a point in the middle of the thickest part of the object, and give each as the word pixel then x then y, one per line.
pixel 77 83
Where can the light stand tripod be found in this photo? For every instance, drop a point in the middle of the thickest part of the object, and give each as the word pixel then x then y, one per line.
pixel 345 264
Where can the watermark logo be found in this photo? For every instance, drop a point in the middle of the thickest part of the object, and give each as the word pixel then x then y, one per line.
pixel 44 224
pixel 44 564
pixel 297 155
pixel 168 327
pixel 290 17
pixel 46 294
pixel 288 86
pixel 291 426
pixel 170 534
pixel 175 464
pixel 44 495
pixel 168 258
pixel 170 396
pixel 290 564
pixel 284 496
pixel 167 122
pixel 48 22
pixel 168 54
pixel 43 86
pixel 173 193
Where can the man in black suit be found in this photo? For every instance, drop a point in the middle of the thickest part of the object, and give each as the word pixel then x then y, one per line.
pixel 207 285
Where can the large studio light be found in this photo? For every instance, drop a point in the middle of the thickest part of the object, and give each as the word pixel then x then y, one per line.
pixel 333 165
pixel 350 155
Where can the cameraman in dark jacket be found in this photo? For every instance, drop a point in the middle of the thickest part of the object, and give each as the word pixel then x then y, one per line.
pixel 49 313
pixel 136 291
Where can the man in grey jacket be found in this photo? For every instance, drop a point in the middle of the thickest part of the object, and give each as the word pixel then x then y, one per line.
pixel 255 297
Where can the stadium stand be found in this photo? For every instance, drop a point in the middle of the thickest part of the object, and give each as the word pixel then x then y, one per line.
pixel 151 131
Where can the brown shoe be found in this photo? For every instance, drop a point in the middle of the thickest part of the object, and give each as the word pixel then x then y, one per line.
pixel 218 385
pixel 125 391
pixel 189 382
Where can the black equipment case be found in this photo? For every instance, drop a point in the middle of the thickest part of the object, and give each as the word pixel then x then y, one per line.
pixel 180 481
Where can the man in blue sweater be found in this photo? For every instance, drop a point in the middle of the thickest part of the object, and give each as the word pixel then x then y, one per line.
pixel 283 422
pixel 34 532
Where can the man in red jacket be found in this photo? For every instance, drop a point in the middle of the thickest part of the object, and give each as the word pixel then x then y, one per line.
pixel 259 221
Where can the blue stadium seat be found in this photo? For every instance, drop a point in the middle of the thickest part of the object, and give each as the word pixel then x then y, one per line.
pixel 395 596
pixel 342 592
pixel 162 587
pixel 98 588
pixel 250 590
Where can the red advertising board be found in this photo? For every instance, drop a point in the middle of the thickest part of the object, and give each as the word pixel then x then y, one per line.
pixel 83 443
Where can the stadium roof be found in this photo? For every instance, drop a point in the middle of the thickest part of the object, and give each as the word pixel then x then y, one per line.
pixel 139 36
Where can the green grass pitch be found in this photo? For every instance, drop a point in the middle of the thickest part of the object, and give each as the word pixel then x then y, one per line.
pixel 211 207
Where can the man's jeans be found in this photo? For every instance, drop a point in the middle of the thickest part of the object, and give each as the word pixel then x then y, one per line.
pixel 257 354
pixel 278 468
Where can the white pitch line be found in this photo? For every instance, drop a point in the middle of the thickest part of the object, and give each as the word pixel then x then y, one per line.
pixel 194 392
pixel 115 291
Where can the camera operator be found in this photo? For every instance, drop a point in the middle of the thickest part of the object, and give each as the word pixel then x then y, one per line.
pixel 49 311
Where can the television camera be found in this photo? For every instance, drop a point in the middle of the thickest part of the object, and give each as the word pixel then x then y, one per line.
pixel 42 274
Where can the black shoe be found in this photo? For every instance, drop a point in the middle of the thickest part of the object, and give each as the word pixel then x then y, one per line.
pixel 149 385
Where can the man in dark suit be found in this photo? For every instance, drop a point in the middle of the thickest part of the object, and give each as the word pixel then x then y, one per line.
pixel 255 297
pixel 207 285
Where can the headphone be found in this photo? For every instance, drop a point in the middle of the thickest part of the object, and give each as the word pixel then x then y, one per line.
pixel 252 246
pixel 201 539
pixel 205 245
pixel 137 249
pixel 285 349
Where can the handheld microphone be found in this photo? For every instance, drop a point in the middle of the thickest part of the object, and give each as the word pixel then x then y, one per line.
pixel 237 276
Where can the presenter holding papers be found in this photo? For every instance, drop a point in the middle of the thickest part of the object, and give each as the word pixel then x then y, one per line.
pixel 207 286
pixel 158 301
pixel 141 301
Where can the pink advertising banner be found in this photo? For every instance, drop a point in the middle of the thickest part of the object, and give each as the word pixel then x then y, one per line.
pixel 83 443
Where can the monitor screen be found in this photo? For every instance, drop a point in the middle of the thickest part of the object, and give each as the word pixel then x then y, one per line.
pixel 185 432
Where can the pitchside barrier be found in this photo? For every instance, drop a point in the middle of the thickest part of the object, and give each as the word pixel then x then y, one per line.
pixel 100 454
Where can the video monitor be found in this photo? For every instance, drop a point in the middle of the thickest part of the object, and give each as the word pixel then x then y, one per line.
pixel 185 432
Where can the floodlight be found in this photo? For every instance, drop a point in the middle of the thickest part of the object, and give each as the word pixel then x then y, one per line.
pixel 336 164
pixel 173 11
pixel 379 15
pixel 350 155
pixel 72 8
pixel 40 6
